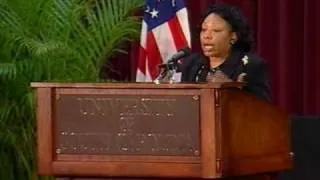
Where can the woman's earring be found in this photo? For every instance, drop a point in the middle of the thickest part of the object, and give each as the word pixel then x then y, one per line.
pixel 232 42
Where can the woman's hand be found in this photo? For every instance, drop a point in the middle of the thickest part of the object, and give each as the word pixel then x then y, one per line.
pixel 242 77
pixel 218 76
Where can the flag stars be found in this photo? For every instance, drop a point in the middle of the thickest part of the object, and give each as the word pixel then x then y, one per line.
pixel 154 13
pixel 147 9
pixel 173 2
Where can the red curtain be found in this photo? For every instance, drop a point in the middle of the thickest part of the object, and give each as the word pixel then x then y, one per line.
pixel 287 37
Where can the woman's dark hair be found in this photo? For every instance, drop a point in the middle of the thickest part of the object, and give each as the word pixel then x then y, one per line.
pixel 237 22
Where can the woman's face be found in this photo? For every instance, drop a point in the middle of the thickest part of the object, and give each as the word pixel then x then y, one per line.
pixel 216 36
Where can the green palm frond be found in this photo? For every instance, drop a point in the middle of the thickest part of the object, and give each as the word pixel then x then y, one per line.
pixel 106 26
pixel 8 70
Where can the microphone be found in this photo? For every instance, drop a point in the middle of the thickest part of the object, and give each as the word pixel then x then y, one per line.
pixel 173 60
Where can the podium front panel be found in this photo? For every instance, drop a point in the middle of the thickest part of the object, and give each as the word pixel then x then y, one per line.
pixel 126 124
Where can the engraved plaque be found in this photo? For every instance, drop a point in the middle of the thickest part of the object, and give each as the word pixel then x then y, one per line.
pixel 104 124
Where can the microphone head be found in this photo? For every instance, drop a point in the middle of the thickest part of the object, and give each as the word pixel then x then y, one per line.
pixel 175 59
pixel 186 50
pixel 181 54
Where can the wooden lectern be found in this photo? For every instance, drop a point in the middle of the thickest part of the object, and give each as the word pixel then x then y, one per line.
pixel 158 131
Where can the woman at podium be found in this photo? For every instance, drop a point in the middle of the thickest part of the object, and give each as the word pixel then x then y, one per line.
pixel 226 43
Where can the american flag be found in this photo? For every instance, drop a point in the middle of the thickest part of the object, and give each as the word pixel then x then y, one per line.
pixel 165 30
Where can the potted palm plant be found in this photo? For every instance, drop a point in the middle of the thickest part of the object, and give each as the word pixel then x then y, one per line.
pixel 51 41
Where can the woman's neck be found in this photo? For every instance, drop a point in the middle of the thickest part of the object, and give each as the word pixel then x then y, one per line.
pixel 217 61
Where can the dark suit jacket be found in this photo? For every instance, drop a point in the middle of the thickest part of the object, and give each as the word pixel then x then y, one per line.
pixel 195 68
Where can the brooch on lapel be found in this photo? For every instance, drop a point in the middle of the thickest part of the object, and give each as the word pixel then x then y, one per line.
pixel 242 76
pixel 245 60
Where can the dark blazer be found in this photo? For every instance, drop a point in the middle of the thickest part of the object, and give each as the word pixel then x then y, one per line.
pixel 195 68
